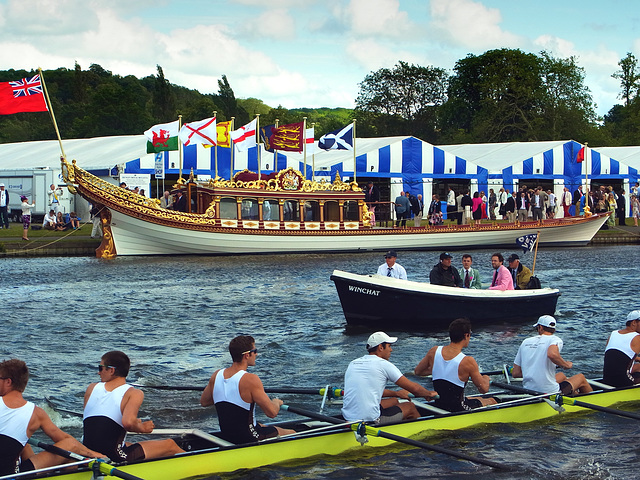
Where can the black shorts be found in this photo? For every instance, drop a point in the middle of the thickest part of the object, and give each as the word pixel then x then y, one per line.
pixel 566 388
pixel 472 403
pixel 266 431
pixel 390 415
pixel 129 453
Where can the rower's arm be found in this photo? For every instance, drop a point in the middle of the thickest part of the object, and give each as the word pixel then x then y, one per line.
pixel 516 371
pixel 416 389
pixel 425 366
pixel 206 399
pixel 470 369
pixel 270 406
pixel 553 353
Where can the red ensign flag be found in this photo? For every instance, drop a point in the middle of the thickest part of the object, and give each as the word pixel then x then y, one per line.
pixel 24 95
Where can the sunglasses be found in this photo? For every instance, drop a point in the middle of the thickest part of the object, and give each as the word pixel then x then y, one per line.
pixel 102 367
pixel 253 350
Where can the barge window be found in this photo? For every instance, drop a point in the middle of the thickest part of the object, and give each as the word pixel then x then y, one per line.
pixel 331 211
pixel 311 211
pixel 351 211
pixel 270 210
pixel 249 209
pixel 228 208
pixel 291 211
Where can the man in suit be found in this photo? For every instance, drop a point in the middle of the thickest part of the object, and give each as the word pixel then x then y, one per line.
pixel 470 276
pixel 566 201
pixel 180 204
pixel 622 209
pixel 418 211
pixel 577 196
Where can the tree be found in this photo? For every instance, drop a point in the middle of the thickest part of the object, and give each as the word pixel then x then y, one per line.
pixel 164 101
pixel 629 77
pixel 392 101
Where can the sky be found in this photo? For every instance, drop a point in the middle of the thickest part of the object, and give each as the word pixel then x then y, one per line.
pixel 311 53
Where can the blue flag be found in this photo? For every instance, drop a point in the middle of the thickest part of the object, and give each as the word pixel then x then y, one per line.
pixel 527 242
pixel 265 135
pixel 341 139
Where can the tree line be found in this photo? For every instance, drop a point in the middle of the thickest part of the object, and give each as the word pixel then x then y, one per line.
pixel 502 95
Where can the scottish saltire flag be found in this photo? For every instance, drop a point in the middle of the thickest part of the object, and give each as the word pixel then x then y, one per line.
pixel 25 95
pixel 527 242
pixel 341 139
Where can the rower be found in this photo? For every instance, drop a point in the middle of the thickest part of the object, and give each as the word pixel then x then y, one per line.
pixel 364 386
pixel 20 419
pixel 111 410
pixel 622 349
pixel 235 393
pixel 537 358
pixel 452 369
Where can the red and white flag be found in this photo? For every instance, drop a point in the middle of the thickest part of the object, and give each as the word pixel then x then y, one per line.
pixel 24 95
pixel 245 137
pixel 310 141
pixel 203 132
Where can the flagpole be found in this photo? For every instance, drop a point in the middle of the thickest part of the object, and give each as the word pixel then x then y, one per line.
pixel 180 148
pixel 258 144
pixel 275 150
pixel 215 115
pixel 231 144
pixel 313 155
pixel 535 254
pixel 354 150
pixel 586 176
pixel 53 116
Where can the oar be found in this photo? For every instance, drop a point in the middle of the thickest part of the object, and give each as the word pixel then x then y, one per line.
pixel 379 433
pixel 335 392
pixel 97 465
pixel 560 399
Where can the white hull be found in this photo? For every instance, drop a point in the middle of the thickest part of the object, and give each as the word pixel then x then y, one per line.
pixel 133 236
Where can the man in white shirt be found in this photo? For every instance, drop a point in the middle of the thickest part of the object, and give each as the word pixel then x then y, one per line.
pixel 391 268
pixel 551 205
pixel 49 221
pixel 536 362
pixel 451 204
pixel 365 386
pixel 54 198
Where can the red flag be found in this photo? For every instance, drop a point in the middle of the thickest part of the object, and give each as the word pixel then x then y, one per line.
pixel 24 95
pixel 580 157
pixel 288 138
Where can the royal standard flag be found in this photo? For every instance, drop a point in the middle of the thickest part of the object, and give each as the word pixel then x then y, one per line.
pixel 162 137
pixel 224 130
pixel 288 138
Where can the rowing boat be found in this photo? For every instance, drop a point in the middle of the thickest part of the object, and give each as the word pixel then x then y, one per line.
pixel 379 301
pixel 204 458
pixel 284 213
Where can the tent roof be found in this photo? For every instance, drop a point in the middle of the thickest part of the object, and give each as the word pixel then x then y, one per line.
pixel 498 156
pixel 627 155
pixel 91 153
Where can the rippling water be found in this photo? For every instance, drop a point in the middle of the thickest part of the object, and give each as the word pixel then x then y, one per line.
pixel 175 316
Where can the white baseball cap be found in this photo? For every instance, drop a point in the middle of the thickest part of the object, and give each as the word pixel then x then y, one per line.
pixel 379 337
pixel 633 315
pixel 546 321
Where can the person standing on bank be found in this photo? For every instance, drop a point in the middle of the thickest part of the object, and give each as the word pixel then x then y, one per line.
pixel 621 353
pixel 390 268
pixel 451 204
pixel 536 362
pixel 26 216
pixel 365 386
pixel 445 274
pixel 235 392
pixel 621 210
pixel 111 410
pixel 418 210
pixel 403 207
pixel 4 207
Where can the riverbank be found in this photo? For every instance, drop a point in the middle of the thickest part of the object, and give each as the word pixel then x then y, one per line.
pixel 78 243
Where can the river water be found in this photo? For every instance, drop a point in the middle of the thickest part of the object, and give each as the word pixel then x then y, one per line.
pixel 175 316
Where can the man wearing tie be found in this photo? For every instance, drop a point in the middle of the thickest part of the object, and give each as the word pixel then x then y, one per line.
pixel 470 276
pixel 501 276
pixel 391 268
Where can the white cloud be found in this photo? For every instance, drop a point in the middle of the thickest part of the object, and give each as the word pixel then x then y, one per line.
pixel 378 18
pixel 52 17
pixel 373 55
pixel 470 24
pixel 276 23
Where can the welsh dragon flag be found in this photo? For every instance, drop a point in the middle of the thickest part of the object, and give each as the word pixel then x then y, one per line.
pixel 162 137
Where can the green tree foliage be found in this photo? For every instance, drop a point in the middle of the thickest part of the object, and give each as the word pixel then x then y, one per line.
pixel 507 95
pixel 629 77
pixel 392 101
